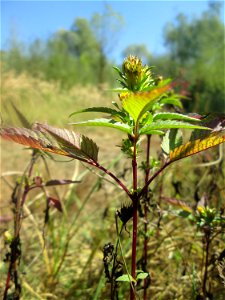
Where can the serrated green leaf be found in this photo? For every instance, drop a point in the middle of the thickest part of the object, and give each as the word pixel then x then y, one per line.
pixel 137 104
pixel 106 123
pixel 126 277
pixel 173 116
pixel 142 275
pixel 106 110
pixel 169 124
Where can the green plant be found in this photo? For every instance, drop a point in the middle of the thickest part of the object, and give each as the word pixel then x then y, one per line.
pixel 139 113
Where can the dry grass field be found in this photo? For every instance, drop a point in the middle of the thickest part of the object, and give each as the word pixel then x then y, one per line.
pixel 63 259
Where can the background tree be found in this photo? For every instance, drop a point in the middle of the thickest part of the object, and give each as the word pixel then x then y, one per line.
pixel 139 50
pixel 197 48
pixel 72 54
pixel 106 28
pixel 80 54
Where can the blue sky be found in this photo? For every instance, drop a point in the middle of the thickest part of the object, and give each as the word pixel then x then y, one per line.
pixel 144 20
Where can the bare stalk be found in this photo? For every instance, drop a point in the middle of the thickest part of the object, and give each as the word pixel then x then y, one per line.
pixel 15 245
pixel 205 275
pixel 135 221
pixel 147 171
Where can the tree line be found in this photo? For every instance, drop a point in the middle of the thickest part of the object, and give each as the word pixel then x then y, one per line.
pixel 81 55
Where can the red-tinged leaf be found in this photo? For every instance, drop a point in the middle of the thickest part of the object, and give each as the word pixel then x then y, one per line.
pixel 194 147
pixel 56 203
pixel 60 182
pixel 178 203
pixel 31 138
pixel 54 140
pixel 76 145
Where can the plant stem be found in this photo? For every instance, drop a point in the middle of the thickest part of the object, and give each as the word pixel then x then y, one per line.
pixel 207 241
pixel 147 171
pixel 18 199
pixel 135 221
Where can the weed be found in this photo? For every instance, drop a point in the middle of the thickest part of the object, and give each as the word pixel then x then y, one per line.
pixel 140 112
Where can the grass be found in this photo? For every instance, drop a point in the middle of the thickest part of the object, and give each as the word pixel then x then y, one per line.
pixel 63 259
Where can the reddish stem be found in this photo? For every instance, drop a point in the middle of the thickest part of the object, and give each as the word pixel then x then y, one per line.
pixel 147 171
pixel 7 285
pixel 135 222
pixel 204 283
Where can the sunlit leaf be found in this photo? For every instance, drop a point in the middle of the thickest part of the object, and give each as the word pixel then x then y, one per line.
pixel 193 147
pixel 173 116
pixel 50 139
pixel 142 275
pixel 168 125
pixel 75 144
pixel 137 104
pixel 125 277
pixel 31 138
pixel 107 110
pixel 106 123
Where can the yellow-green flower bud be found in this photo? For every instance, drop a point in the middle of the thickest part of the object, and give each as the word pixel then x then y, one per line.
pixel 7 237
pixel 136 76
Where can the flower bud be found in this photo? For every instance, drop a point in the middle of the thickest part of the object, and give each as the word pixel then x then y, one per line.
pixel 136 76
